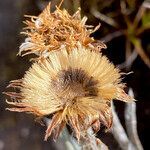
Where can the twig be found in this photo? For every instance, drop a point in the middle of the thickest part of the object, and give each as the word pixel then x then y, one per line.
pixel 140 13
pixel 89 142
pixel 103 17
pixel 128 50
pixel 146 4
pixel 119 133
pixel 128 63
pixel 70 143
pixel 124 9
pixel 131 122
pixel 111 36
pixel 138 46
pixel 132 141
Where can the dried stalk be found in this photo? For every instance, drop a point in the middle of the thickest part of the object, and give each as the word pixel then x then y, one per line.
pixel 111 36
pixel 119 132
pixel 138 46
pixel 146 4
pixel 132 141
pixel 69 142
pixel 90 142
pixel 129 61
pixel 87 143
pixel 131 122
pixel 103 17
pixel 140 13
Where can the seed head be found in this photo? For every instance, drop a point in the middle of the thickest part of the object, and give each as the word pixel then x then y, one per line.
pixel 76 87
pixel 50 31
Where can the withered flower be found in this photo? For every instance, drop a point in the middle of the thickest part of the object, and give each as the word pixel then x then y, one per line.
pixel 75 87
pixel 49 31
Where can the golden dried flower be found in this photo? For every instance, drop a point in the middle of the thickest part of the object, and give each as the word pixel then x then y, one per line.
pixel 75 87
pixel 50 31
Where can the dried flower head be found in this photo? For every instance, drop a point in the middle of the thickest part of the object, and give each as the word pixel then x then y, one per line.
pixel 75 87
pixel 49 31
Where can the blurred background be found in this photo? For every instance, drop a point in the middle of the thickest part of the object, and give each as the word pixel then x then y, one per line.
pixel 125 28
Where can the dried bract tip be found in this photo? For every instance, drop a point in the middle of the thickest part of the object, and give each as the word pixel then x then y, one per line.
pixel 76 87
pixel 49 31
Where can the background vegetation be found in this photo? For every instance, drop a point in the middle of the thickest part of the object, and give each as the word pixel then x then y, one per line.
pixel 125 28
